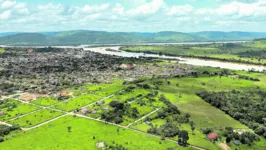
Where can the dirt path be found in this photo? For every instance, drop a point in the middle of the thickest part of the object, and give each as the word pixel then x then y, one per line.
pixel 224 146
pixel 144 117
pixel 41 124
pixel 24 114
pixel 10 125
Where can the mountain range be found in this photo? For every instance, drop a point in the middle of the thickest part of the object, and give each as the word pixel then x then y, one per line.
pixel 101 37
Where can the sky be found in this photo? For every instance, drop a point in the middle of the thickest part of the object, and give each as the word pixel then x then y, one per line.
pixel 132 15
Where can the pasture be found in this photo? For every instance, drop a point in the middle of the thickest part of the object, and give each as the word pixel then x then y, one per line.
pixel 13 108
pixel 36 118
pixel 77 102
pixel 84 134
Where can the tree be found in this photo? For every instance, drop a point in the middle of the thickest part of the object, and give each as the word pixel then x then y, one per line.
pixel 1 139
pixel 192 126
pixel 228 139
pixel 69 128
pixel 183 137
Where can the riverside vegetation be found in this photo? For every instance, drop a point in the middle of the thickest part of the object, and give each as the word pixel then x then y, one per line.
pixel 253 52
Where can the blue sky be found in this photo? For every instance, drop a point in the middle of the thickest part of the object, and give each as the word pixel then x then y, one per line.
pixel 133 15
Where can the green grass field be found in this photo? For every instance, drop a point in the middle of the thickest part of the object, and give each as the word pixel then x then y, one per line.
pixel 2 50
pixel 56 136
pixel 19 109
pixel 202 113
pixel 45 101
pixel 36 118
pixel 77 102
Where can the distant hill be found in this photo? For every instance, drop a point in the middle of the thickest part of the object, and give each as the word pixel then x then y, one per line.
pixel 8 33
pixel 24 39
pixel 217 35
pixel 78 37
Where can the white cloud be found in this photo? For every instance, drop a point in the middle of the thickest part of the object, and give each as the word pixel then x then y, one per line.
pixel 5 15
pixel 8 4
pixel 146 9
pixel 144 15
pixel 119 9
pixel 95 8
pixel 180 10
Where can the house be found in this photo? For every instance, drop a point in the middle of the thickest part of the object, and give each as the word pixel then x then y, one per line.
pixel 127 66
pixel 212 136
pixel 84 111
pixel 100 102
pixel 65 93
pixel 30 50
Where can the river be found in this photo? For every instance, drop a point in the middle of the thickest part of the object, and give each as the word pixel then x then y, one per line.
pixel 183 60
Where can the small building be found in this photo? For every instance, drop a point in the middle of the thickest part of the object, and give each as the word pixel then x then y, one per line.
pixel 100 145
pixel 100 102
pixel 84 111
pixel 212 136
pixel 30 50
pixel 65 93
pixel 127 66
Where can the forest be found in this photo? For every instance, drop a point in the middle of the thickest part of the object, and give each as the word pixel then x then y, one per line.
pixel 247 107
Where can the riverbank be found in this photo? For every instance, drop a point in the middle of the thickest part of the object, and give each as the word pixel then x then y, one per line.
pixel 199 57
pixel 182 60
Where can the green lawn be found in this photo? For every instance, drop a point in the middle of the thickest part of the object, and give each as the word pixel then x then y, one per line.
pixel 36 118
pixel 56 136
pixel 77 102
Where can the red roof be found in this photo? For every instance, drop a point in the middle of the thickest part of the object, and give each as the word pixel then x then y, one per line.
pixel 212 136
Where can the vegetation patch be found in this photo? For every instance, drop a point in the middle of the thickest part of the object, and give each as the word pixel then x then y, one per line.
pixel 12 108
pixel 77 102
pixel 35 118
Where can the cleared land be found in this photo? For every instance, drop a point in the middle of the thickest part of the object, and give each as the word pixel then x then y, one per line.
pixel 81 137
pixel 13 109
pixel 36 118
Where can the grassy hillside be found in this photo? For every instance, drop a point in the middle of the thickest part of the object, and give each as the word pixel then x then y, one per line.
pixel 217 35
pixel 24 39
pixel 175 36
